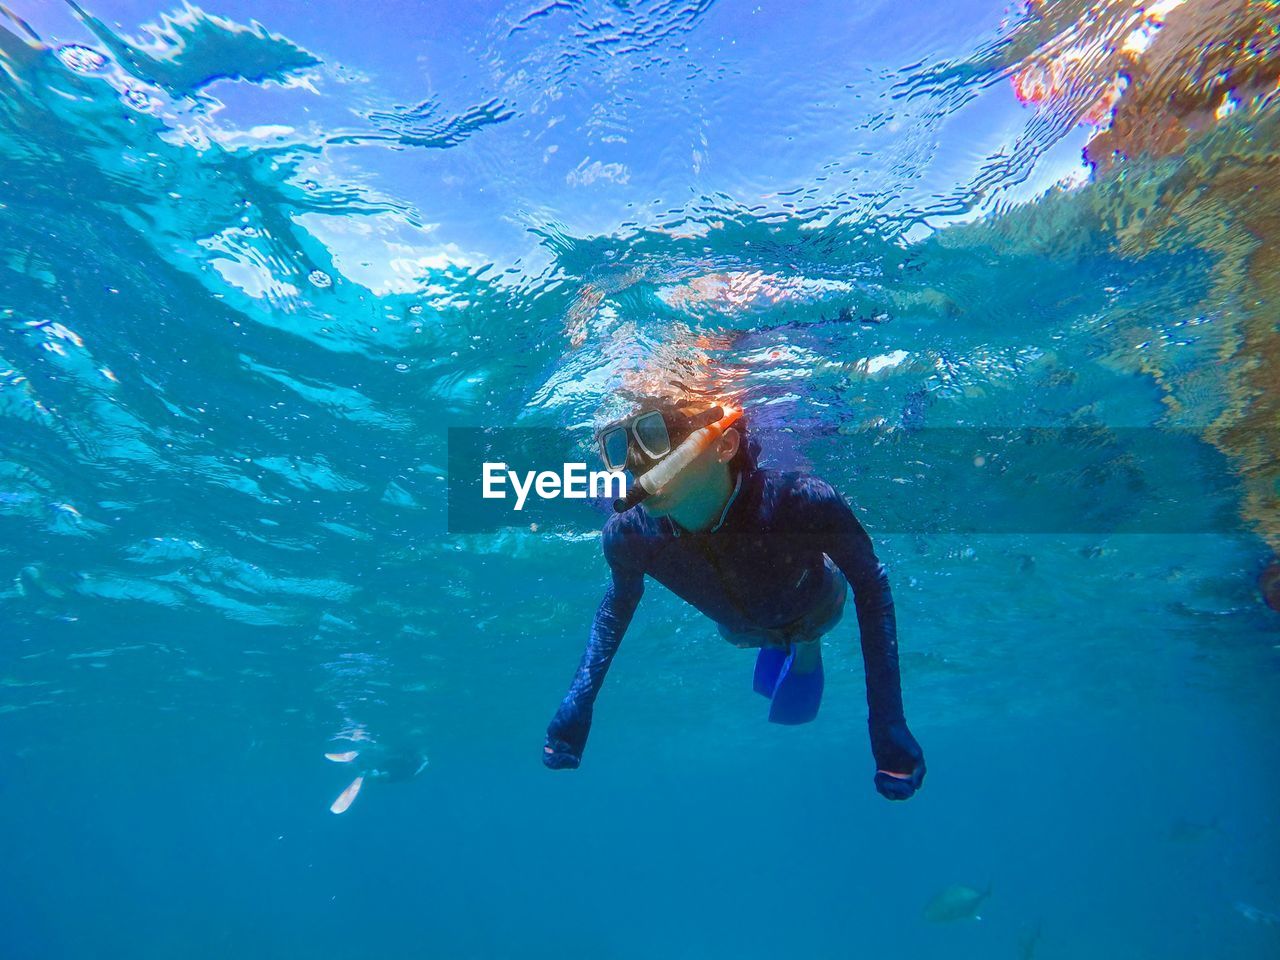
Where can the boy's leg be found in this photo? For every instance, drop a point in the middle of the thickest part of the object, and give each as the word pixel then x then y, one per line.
pixel 795 652
pixel 806 655
pixel 769 663
pixel 798 693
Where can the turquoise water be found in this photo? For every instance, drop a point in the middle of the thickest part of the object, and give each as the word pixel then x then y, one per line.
pixel 250 276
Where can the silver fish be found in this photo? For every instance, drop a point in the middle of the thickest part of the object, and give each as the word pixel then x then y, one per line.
pixel 1190 831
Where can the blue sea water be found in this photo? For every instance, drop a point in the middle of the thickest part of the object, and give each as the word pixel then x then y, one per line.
pixel 257 261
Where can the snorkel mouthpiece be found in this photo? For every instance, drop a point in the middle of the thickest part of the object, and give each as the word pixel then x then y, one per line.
pixel 676 461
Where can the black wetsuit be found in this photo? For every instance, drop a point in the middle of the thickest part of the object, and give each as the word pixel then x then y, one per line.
pixel 761 566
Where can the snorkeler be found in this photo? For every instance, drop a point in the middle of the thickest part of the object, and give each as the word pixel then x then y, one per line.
pixel 376 761
pixel 765 555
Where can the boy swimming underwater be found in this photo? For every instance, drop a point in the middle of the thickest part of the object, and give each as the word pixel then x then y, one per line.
pixel 765 555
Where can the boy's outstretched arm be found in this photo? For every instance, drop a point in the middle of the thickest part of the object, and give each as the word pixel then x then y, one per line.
pixel 899 760
pixel 567 732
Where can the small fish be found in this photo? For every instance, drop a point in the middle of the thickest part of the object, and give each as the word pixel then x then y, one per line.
pixel 1029 940
pixel 1189 831
pixel 956 902
pixel 1257 915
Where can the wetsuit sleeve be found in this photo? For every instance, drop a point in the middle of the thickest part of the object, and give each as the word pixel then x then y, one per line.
pixel 823 513
pixel 899 760
pixel 842 538
pixel 567 733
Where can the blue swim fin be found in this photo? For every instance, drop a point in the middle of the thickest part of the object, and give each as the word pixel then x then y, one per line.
pixel 797 696
pixel 769 663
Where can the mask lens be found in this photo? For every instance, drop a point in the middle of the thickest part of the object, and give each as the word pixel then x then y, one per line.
pixel 651 431
pixel 613 444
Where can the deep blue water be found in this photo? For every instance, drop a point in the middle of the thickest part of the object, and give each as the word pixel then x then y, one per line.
pixel 251 276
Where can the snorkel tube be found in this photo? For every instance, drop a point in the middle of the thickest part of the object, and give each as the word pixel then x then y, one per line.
pixel 676 461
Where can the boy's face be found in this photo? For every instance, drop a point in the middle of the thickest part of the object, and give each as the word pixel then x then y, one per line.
pixel 703 474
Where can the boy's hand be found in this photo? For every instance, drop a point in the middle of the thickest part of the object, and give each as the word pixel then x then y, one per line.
pixel 900 765
pixel 566 738
pixel 558 755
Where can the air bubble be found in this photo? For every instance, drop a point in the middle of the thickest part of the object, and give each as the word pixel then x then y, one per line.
pixel 320 279
pixel 139 99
